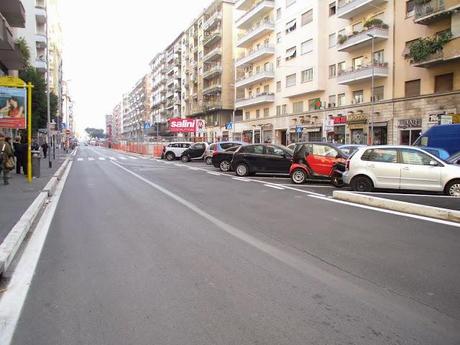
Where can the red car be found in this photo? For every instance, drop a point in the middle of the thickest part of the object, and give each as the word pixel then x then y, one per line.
pixel 321 161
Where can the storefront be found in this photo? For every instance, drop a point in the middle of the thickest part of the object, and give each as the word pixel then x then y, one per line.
pixel 336 129
pixel 357 124
pixel 380 133
pixel 409 130
pixel 248 136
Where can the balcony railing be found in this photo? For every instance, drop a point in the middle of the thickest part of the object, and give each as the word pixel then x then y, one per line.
pixel 363 72
pixel 212 71
pixel 212 54
pixel 213 88
pixel 265 97
pixel 351 8
pixel 259 9
pixel 217 16
pixel 255 32
pixel 251 78
pixel 212 37
pixel 434 10
pixel 450 52
pixel 6 37
pixel 363 38
pixel 256 54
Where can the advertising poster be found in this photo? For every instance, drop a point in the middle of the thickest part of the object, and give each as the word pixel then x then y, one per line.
pixel 12 107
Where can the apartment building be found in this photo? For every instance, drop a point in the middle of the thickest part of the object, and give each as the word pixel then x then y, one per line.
pixel 117 123
pixel 12 16
pixel 332 58
pixel 173 77
pixel 136 109
pixel 109 127
pixel 208 69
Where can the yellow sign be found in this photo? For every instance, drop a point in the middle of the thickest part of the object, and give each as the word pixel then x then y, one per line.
pixel 12 82
pixel 456 118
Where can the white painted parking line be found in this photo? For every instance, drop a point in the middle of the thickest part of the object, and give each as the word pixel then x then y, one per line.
pixel 305 185
pixel 408 194
pixel 274 186
pixel 123 158
pixel 132 157
pixel 101 158
pixel 242 179
pixel 213 173
pixel 79 159
pixel 90 158
pixel 179 165
pixel 112 158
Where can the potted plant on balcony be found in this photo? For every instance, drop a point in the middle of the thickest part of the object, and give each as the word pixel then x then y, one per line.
pixel 342 39
pixel 423 48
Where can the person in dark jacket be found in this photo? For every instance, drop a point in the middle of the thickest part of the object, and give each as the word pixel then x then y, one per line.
pixel 6 152
pixel 19 154
pixel 45 149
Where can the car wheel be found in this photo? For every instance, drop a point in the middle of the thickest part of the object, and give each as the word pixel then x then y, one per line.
pixel 170 156
pixel 208 160
pixel 298 176
pixel 242 169
pixel 362 184
pixel 224 166
pixel 185 159
pixel 453 188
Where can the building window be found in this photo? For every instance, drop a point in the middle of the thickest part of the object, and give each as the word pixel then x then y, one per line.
pixel 284 110
pixel 332 9
pixel 379 57
pixel 306 47
pixel 332 101
pixel 410 8
pixel 412 88
pixel 358 27
pixel 278 110
pixel 358 96
pixel 307 17
pixel 278 13
pixel 332 40
pixel 332 71
pixel 291 80
pixel 444 83
pixel 378 93
pixel 291 26
pixel 266 112
pixel 257 113
pixel 278 86
pixel 278 61
pixel 278 37
pixel 297 107
pixel 341 67
pixel 266 88
pixel 341 99
pixel 247 115
pixel 291 53
pixel 290 3
pixel 307 75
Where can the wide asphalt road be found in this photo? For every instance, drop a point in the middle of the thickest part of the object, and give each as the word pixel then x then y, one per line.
pixel 147 252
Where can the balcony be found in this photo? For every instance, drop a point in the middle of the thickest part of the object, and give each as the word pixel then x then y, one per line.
pixel 6 36
pixel 245 40
pixel 435 10
pixel 40 65
pixel 13 12
pixel 253 78
pixel 351 8
pixel 362 73
pixel 214 54
pixel 363 39
pixel 256 55
pixel 212 38
pixel 449 53
pixel 259 99
pixel 40 15
pixel 40 39
pixel 244 5
pixel 254 14
pixel 212 105
pixel 215 18
pixel 212 72
pixel 212 89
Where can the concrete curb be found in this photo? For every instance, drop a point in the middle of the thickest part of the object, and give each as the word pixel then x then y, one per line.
pixel 14 239
pixel 400 206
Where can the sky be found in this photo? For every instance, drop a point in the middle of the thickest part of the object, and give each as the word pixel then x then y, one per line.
pixel 108 45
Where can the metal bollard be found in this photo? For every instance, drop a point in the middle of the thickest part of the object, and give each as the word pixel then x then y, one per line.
pixel 36 164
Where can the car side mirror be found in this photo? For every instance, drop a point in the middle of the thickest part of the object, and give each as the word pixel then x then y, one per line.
pixel 434 163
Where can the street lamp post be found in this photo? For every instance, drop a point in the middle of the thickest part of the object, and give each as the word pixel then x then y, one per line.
pixel 48 110
pixel 371 137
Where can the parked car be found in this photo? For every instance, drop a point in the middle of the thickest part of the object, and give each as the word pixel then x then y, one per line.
pixel 174 150
pixel 321 161
pixel 219 147
pixel 442 136
pixel 292 146
pixel 350 148
pixel 194 152
pixel 440 153
pixel 261 158
pixel 401 167
pixel 223 159
pixel 454 159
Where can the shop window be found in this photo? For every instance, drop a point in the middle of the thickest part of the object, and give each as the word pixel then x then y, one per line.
pixel 332 9
pixel 412 88
pixel 409 136
pixel 444 83
pixel 307 17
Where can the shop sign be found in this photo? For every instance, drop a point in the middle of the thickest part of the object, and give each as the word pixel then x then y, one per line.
pixel 357 119
pixel 312 130
pixel 410 123
pixel 445 120
pixel 340 120
pixel 187 126
pixel 434 117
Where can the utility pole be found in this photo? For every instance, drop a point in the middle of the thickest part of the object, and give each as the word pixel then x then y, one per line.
pixel 48 110
pixel 371 136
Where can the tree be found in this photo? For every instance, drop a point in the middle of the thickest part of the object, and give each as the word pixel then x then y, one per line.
pixel 95 133
pixel 24 50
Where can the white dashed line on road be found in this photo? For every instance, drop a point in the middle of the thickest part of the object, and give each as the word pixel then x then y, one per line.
pixel 213 173
pixel 90 158
pixel 101 158
pixel 242 179
pixel 112 158
pixel 123 158
pixel 79 159
pixel 274 186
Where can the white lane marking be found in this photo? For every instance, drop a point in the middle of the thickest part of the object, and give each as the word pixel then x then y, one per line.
pixel 179 165
pixel 433 220
pixel 213 173
pixel 101 158
pixel 12 300
pixel 79 159
pixel 242 179
pixel 291 188
pixel 112 158
pixel 131 157
pixel 123 158
pixel 305 185
pixel 90 158
pixel 274 186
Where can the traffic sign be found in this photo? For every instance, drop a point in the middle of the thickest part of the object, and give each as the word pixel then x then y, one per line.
pixel 229 125
pixel 298 129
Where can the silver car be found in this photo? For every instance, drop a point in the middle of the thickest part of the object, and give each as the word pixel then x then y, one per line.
pixel 401 167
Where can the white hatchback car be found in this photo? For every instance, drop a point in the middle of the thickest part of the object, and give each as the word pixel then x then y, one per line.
pixel 401 167
pixel 175 150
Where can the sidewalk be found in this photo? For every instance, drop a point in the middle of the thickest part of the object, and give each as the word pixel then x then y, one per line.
pixel 19 194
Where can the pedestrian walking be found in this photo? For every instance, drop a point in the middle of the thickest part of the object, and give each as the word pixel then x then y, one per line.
pixel 18 147
pixel 45 149
pixel 6 157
